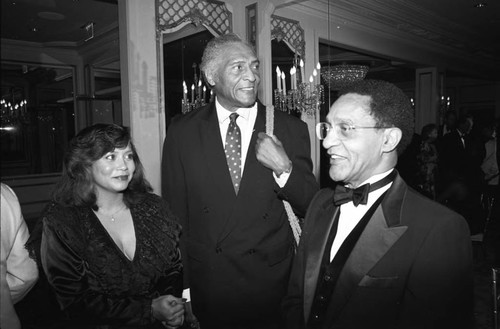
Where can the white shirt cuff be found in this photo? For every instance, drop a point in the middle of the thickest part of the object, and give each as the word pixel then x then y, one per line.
pixel 281 181
pixel 186 293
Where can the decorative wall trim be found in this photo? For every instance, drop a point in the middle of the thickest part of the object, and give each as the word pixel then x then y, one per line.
pixel 289 31
pixel 212 14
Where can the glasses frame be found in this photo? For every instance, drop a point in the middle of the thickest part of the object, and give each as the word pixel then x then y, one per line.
pixel 351 128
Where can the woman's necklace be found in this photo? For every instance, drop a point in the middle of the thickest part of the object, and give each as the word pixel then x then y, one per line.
pixel 116 213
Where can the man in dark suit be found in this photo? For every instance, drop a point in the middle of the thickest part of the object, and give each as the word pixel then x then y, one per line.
pixel 461 177
pixel 237 244
pixel 449 124
pixel 384 256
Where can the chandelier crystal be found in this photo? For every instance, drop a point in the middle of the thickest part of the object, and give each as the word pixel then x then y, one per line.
pixel 339 76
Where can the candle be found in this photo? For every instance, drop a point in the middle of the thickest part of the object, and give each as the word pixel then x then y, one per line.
pixel 302 74
pixel 318 67
pixel 278 76
pixel 199 88
pixel 192 93
pixel 184 91
pixel 211 95
pixel 204 93
pixel 292 78
pixel 311 83
pixel 315 75
pixel 284 83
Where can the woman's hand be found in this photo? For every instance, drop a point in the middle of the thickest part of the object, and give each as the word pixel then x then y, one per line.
pixel 169 309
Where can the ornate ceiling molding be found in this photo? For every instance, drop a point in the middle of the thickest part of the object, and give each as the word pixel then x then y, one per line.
pixel 290 31
pixel 212 14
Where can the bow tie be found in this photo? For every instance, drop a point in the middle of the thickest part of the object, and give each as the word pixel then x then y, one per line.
pixel 359 195
pixel 344 194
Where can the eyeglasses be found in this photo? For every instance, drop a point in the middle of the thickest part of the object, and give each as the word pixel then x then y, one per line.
pixel 343 130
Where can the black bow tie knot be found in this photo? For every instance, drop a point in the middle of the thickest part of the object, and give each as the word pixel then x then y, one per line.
pixel 344 194
pixel 359 195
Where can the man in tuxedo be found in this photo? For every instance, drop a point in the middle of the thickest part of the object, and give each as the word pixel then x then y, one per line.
pixel 237 244
pixel 375 253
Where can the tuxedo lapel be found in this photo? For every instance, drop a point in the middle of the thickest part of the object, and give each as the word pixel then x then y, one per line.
pixel 317 240
pixel 380 234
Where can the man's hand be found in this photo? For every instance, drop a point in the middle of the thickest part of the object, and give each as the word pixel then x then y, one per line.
pixel 271 154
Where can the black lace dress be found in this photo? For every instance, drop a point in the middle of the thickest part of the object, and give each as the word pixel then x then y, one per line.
pixel 94 282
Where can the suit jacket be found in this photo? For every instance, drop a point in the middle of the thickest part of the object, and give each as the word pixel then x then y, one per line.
pixel 452 157
pixel 410 268
pixel 237 250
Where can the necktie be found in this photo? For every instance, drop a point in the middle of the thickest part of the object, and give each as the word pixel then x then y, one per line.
pixel 359 195
pixel 233 151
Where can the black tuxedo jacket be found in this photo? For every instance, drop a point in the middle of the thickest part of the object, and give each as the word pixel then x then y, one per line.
pixel 237 250
pixel 411 267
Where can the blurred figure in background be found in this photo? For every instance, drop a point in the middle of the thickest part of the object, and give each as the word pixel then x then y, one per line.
pixel 449 125
pixel 427 161
pixel 461 177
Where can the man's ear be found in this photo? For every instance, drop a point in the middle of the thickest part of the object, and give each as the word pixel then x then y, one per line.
pixel 392 137
pixel 210 78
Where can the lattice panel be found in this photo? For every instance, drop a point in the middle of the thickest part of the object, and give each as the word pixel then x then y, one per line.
pixel 172 13
pixel 290 31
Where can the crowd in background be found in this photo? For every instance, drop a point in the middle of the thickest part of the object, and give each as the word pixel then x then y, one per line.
pixel 457 164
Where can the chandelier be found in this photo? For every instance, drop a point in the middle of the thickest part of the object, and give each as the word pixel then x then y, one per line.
pixel 198 93
pixel 12 112
pixel 303 96
pixel 339 76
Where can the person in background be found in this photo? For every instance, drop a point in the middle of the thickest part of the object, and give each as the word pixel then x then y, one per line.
pixel 461 178
pixel 489 166
pixel 237 243
pixel 427 161
pixel 375 253
pixel 109 246
pixel 449 125
pixel 19 272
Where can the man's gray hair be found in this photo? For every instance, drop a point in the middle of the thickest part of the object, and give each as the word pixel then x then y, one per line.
pixel 214 53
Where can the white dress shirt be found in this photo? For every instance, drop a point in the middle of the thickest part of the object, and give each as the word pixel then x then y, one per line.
pixel 246 121
pixel 350 215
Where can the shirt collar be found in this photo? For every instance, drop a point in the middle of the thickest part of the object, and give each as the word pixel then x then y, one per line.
pixel 223 114
pixel 377 177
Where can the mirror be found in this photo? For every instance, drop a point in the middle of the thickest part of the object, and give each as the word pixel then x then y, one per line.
pixel 37 117
pixel 182 52
pixel 104 93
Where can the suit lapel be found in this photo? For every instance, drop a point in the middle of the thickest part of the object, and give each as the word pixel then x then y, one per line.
pixel 252 180
pixel 380 234
pixel 213 150
pixel 323 221
pixel 253 172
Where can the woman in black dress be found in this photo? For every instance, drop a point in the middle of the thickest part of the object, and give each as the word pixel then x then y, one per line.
pixel 109 246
